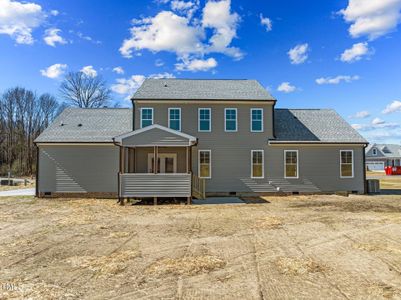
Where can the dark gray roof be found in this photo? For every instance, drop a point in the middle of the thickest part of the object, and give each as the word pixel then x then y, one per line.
pixel 98 125
pixel 314 125
pixel 200 89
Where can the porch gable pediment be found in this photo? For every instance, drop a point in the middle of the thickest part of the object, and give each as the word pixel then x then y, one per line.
pixel 155 135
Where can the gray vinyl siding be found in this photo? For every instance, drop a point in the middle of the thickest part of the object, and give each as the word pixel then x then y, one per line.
pixel 155 136
pixel 156 185
pixel 78 169
pixel 319 166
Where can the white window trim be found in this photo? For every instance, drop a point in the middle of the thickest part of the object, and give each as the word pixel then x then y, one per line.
pixel 210 164
pixel 169 109
pixel 210 119
pixel 353 173
pixel 285 164
pixel 263 164
pixel 236 119
pixel 153 115
pixel 262 127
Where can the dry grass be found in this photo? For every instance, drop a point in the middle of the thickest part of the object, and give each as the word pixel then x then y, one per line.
pixel 314 247
pixel 30 185
pixel 104 266
pixel 270 222
pixel 298 265
pixel 186 265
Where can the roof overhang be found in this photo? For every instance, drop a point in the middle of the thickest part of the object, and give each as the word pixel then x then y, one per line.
pixel 205 101
pixel 155 135
pixel 314 143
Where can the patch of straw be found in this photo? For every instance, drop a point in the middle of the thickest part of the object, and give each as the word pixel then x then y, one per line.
pixel 371 247
pixel 104 266
pixel 297 266
pixel 186 265
pixel 269 223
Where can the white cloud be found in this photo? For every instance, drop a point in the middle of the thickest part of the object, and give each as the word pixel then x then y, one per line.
pixel 54 71
pixel 52 37
pixel 86 38
pixel 286 87
pixel 394 106
pixel 376 124
pixel 159 63
pixel 299 54
pixel 128 86
pixel 89 71
pixel 266 22
pixel 186 36
pixel 18 19
pixel 217 15
pixel 336 80
pixel 185 7
pixel 361 115
pixel 378 121
pixel 54 12
pixel 164 32
pixel 118 70
pixel 197 65
pixel 372 18
pixel 356 52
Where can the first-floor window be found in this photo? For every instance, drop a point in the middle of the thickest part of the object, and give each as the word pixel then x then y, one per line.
pixel 146 117
pixel 174 118
pixel 205 164
pixel 347 163
pixel 257 164
pixel 291 163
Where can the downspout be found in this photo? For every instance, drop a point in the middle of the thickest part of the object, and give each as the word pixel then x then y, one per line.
pixel 273 119
pixel 365 190
pixel 133 114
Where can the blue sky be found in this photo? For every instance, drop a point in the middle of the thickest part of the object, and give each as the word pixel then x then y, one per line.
pixel 341 54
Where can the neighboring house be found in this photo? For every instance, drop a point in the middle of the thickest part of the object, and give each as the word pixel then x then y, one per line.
pixel 380 156
pixel 222 137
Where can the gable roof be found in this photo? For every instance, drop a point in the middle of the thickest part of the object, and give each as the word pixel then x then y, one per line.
pixel 386 150
pixel 313 126
pixel 155 135
pixel 97 125
pixel 201 89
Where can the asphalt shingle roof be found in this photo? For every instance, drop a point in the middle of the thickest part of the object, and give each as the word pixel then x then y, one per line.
pixel 386 150
pixel 97 125
pixel 314 125
pixel 199 89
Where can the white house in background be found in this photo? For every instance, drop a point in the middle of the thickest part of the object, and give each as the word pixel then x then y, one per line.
pixel 379 156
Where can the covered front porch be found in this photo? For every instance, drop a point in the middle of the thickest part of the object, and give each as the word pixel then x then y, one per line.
pixel 156 162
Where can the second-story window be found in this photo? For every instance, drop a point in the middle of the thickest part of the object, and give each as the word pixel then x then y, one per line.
pixel 256 119
pixel 174 118
pixel 204 119
pixel 146 117
pixel 230 119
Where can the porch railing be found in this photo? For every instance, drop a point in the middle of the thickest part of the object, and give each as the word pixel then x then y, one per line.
pixel 198 187
pixel 143 185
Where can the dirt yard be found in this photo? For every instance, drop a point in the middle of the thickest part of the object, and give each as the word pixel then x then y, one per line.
pixel 309 247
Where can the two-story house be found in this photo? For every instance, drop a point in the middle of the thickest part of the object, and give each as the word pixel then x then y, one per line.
pixel 185 138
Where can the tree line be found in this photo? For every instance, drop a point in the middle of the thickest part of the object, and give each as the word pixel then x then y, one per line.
pixel 24 114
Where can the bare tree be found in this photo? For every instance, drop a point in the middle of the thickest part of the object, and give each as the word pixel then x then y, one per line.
pixel 23 116
pixel 84 91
